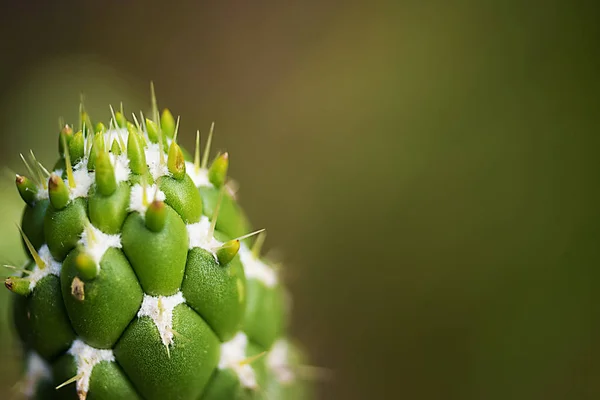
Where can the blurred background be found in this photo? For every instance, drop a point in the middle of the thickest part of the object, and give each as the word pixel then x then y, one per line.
pixel 428 170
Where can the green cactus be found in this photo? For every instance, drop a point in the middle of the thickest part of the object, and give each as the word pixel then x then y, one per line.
pixel 143 280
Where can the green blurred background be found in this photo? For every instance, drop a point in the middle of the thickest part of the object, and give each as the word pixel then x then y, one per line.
pixel 428 171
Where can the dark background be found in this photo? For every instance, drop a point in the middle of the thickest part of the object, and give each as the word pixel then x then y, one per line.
pixel 428 171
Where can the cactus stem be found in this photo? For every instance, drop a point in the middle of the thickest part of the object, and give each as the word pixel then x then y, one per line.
pixel 257 247
pixel 34 254
pixel 69 381
pixel 68 165
pixel 207 148
pixel 227 251
pixel 78 289
pixel 217 173
pixel 250 360
pixel 18 285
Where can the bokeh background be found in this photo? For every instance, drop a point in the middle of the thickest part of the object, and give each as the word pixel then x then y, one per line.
pixel 428 170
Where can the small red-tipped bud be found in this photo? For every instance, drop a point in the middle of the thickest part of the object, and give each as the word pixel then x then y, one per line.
pixel 27 189
pixel 58 192
pixel 17 285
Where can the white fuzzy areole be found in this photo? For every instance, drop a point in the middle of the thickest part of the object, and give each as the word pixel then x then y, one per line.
pixel 36 371
pixel 153 160
pixel 233 353
pixel 86 358
pixel 199 237
pixel 97 245
pixel 199 178
pixel 52 267
pixel 254 268
pixel 160 309
pixel 136 202
pixel 113 134
pixel 42 192
pixel 121 166
pixel 278 362
pixel 83 180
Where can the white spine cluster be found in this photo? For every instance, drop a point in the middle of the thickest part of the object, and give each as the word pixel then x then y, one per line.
pixel 86 358
pixel 36 371
pixel 278 362
pixel 254 268
pixel 52 267
pixel 233 355
pixel 157 169
pixel 199 177
pixel 136 201
pixel 200 236
pixel 160 309
pixel 96 242
pixel 121 165
pixel 83 180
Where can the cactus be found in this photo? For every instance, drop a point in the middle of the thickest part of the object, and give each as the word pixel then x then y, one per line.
pixel 144 280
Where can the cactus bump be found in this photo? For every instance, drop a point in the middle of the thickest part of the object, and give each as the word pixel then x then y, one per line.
pixel 145 278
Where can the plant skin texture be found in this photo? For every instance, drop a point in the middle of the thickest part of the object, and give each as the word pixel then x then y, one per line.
pixel 144 278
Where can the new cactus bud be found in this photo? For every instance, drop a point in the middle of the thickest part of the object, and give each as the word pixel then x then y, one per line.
pixel 27 189
pixel 115 148
pixel 58 192
pixel 86 266
pixel 156 216
pixel 136 154
pixel 106 181
pixel 167 123
pixel 17 285
pixel 77 147
pixel 65 135
pixel 99 128
pixel 227 251
pixel 120 120
pixel 140 282
pixel 217 173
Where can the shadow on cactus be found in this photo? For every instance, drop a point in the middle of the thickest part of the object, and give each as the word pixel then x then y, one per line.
pixel 144 278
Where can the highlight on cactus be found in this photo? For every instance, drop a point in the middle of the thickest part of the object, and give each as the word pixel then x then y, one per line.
pixel 144 278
